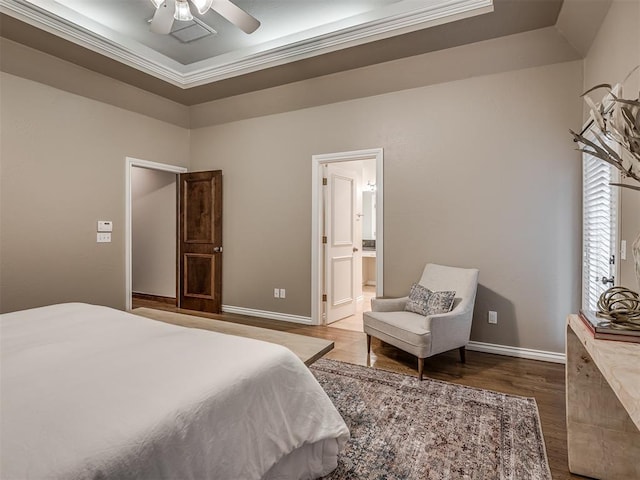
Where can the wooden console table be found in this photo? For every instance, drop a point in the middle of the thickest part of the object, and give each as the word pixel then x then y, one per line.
pixel 603 405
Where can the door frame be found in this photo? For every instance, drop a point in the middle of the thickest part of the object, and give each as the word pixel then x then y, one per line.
pixel 317 206
pixel 131 162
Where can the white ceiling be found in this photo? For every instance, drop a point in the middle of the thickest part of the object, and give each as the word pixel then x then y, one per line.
pixel 279 20
pixel 290 30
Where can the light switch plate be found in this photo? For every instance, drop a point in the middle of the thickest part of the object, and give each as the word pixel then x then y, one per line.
pixel 105 226
pixel 102 237
pixel 283 293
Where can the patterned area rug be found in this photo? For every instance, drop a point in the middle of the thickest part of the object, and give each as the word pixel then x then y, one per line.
pixel 403 429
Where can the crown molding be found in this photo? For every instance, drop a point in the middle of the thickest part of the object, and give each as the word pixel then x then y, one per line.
pixel 222 67
pixel 141 58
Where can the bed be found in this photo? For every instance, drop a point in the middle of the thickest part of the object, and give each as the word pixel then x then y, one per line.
pixel 93 392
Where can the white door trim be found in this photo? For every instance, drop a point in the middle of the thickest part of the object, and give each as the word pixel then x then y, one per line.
pixel 316 221
pixel 129 163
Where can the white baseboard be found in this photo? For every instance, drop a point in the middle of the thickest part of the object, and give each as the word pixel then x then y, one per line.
pixel 509 351
pixel 517 352
pixel 251 312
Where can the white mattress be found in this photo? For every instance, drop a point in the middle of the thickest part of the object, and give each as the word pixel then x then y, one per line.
pixel 92 392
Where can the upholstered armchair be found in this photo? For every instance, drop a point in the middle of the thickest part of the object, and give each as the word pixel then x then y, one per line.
pixel 420 335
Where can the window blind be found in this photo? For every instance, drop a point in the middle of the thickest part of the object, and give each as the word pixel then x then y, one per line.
pixel 599 228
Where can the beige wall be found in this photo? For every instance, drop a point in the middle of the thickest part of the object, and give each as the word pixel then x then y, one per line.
pixel 513 52
pixel 613 54
pixel 478 172
pixel 63 168
pixel 25 62
pixel 153 232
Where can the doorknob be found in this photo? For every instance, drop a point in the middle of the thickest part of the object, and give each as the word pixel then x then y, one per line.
pixel 606 280
pixel 355 249
pixel 217 249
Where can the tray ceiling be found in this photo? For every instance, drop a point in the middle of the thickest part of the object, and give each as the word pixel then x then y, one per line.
pixel 290 31
pixel 297 39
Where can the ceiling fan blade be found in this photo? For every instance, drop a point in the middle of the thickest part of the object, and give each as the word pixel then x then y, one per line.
pixel 236 15
pixel 202 5
pixel 163 18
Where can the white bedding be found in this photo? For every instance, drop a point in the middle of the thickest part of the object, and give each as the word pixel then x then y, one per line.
pixel 92 392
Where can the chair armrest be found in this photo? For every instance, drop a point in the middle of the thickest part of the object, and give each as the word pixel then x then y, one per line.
pixel 388 304
pixel 449 330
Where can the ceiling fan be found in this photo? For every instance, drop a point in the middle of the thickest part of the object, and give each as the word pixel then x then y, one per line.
pixel 169 10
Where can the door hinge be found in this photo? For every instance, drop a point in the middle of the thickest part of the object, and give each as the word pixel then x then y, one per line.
pixel 324 181
pixel 324 239
pixel 324 297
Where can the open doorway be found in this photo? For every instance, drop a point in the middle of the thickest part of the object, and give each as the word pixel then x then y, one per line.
pixel 150 230
pixel 347 236
pixel 153 235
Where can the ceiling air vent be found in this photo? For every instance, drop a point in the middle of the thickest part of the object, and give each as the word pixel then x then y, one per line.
pixel 190 31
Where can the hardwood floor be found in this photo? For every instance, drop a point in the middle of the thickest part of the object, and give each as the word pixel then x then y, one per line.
pixel 354 322
pixel 542 380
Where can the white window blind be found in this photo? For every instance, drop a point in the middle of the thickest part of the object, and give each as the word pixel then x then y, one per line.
pixel 599 228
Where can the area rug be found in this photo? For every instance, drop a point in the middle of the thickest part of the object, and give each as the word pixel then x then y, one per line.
pixel 403 429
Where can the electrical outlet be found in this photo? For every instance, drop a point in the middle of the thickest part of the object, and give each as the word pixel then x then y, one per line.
pixel 283 293
pixel 493 317
pixel 276 293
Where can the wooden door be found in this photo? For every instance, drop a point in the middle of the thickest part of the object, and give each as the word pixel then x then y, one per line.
pixel 341 248
pixel 200 244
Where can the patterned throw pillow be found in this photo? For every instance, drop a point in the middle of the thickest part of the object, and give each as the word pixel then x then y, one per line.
pixel 440 302
pixel 425 302
pixel 418 299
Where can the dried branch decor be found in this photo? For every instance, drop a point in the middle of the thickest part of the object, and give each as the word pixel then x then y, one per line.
pixel 615 121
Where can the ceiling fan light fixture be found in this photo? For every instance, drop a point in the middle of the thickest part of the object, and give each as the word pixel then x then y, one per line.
pixel 183 13
pixel 202 5
pixel 157 3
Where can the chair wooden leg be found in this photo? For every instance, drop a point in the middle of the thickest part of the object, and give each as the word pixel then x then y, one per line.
pixel 368 344
pixel 420 367
pixel 463 354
